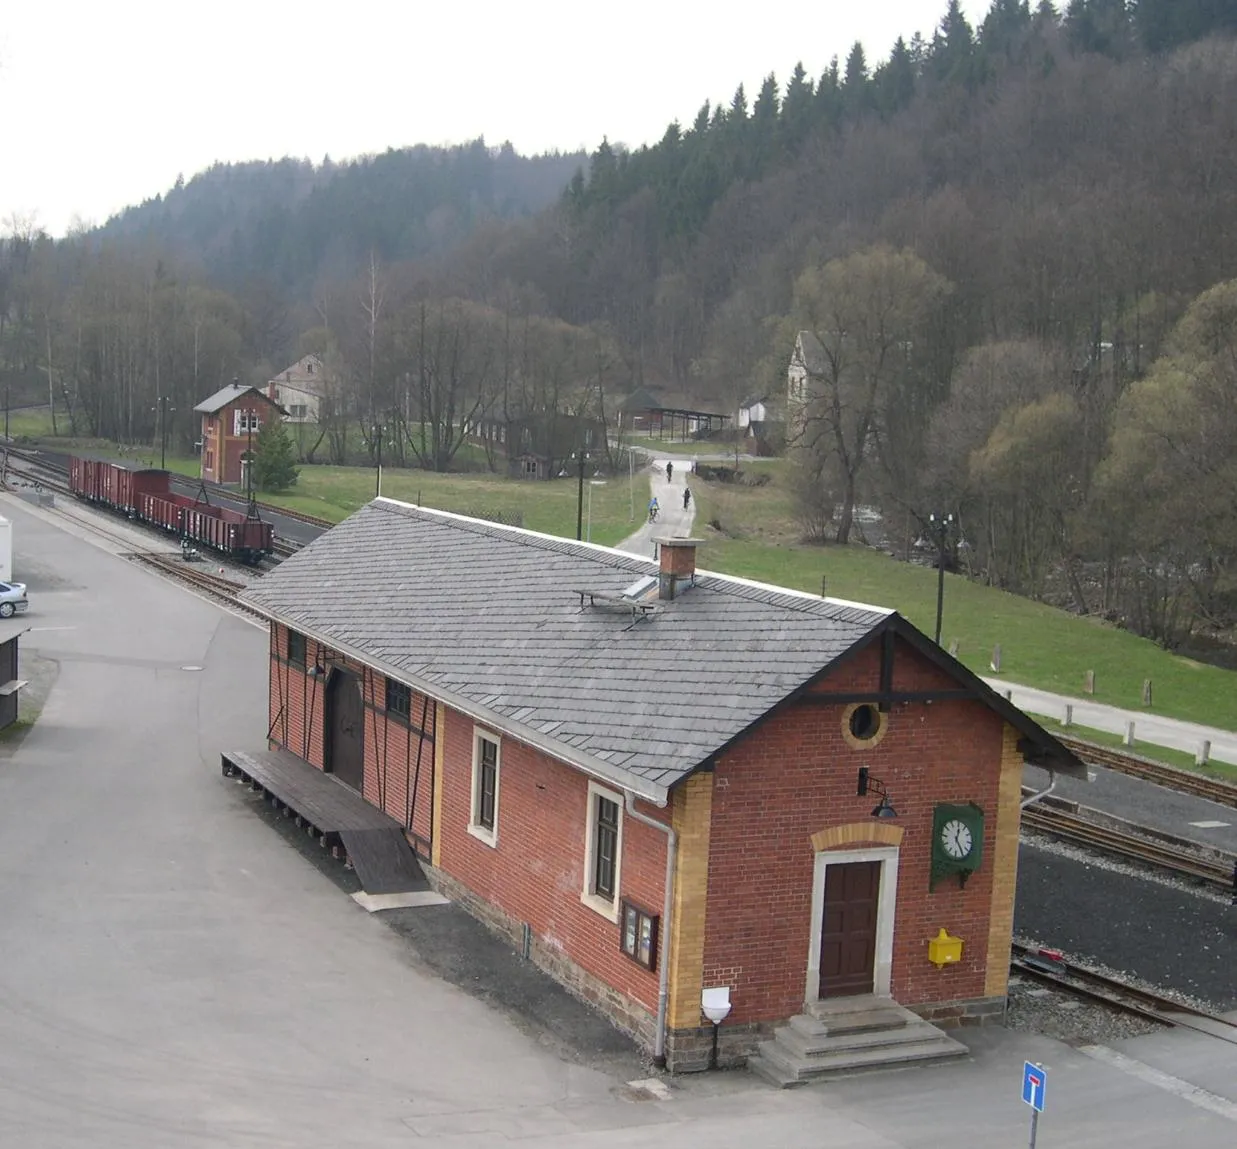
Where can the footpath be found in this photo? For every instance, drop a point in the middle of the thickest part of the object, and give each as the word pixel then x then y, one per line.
pixel 673 519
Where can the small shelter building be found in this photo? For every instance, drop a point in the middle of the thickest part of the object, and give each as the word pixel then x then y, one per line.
pixel 659 781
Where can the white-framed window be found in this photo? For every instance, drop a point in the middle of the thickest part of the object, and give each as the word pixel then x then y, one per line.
pixel 486 769
pixel 298 410
pixel 246 421
pixel 603 851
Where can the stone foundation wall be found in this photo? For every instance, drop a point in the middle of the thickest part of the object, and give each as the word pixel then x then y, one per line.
pixel 689 1050
pixel 952 1014
pixel 628 1016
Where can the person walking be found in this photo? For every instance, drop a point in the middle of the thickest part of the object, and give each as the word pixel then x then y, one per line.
pixel 687 497
pixel 669 472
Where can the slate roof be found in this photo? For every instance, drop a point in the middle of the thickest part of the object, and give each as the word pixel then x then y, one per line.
pixel 488 619
pixel 226 395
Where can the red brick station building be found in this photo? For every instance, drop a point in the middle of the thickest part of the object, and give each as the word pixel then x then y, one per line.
pixel 666 786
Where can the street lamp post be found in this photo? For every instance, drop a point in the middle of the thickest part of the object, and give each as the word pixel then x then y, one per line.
pixel 941 525
pixel 583 458
pixel 164 410
pixel 249 458
pixel 379 431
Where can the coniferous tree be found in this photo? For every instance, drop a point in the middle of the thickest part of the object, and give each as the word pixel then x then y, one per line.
pixel 274 464
pixel 855 95
pixel 895 80
pixel 796 117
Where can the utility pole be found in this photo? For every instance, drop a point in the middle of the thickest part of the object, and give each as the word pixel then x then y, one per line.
pixel 941 524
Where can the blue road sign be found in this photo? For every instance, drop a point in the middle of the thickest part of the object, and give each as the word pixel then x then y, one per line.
pixel 1034 1085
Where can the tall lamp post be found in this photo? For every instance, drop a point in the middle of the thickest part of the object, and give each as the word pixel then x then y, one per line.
pixel 379 433
pixel 582 459
pixel 164 410
pixel 941 524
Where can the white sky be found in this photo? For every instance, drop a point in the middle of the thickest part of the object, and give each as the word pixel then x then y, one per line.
pixel 104 102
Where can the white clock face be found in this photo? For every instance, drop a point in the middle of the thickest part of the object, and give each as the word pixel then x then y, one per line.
pixel 956 838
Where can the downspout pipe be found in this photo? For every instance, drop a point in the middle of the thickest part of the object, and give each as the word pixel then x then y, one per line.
pixel 1052 785
pixel 663 972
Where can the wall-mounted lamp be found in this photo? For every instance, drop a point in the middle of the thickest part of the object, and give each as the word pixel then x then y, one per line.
pixel 317 670
pixel 884 808
pixel 715 1004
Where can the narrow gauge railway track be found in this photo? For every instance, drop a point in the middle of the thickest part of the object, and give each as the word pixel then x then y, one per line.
pixel 213 586
pixel 1214 789
pixel 1211 868
pixel 1082 981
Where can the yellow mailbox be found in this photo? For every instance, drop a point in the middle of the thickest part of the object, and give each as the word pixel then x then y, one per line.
pixel 944 950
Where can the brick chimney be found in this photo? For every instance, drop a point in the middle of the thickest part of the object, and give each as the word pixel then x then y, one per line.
pixel 678 565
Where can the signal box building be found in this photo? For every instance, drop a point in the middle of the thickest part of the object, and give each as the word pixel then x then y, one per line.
pixel 231 420
pixel 659 781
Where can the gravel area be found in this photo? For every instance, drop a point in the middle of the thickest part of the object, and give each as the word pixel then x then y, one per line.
pixel 1167 933
pixel 1037 1008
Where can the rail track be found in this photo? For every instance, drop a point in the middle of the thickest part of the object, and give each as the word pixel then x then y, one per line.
pixel 1213 789
pixel 1051 968
pixel 1213 868
pixel 46 476
pixel 218 587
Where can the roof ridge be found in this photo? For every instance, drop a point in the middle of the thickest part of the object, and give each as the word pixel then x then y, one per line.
pixel 620 560
pixel 625 560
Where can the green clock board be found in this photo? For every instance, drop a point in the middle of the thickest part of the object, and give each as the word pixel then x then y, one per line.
pixel 957 841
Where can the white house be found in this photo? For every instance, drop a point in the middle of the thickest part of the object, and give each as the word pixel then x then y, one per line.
pixel 753 411
pixel 300 389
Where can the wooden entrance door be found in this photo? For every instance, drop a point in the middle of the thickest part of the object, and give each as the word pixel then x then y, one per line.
pixel 848 930
pixel 345 723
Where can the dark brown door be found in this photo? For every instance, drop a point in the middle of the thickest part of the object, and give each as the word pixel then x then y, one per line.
pixel 848 933
pixel 345 720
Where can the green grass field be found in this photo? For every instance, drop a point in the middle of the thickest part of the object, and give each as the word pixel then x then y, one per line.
pixel 756 537
pixel 335 492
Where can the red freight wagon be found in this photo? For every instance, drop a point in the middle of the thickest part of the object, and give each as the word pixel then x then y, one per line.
pixel 145 493
pixel 117 484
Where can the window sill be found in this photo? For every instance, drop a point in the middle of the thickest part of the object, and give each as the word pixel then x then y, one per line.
pixel 607 909
pixel 488 837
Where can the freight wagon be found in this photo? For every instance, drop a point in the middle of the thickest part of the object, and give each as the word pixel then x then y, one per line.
pixel 145 494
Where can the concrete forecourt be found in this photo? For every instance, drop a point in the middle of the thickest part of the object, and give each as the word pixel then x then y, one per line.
pixel 175 971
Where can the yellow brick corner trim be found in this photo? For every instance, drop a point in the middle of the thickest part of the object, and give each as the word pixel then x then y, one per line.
pixel 440 740
pixel 1004 866
pixel 853 832
pixel 693 819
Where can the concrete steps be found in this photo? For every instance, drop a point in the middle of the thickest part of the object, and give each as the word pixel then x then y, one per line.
pixel 849 1035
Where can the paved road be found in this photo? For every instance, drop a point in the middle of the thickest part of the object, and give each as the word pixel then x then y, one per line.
pixel 1159 731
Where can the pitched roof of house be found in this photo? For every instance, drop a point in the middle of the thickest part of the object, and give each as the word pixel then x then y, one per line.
pixel 229 394
pixel 490 619
pixel 810 353
pixel 306 374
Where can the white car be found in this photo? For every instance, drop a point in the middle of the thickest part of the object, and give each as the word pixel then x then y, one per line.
pixel 13 599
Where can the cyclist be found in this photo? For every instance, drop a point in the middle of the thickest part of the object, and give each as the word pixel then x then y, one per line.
pixel 654 507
